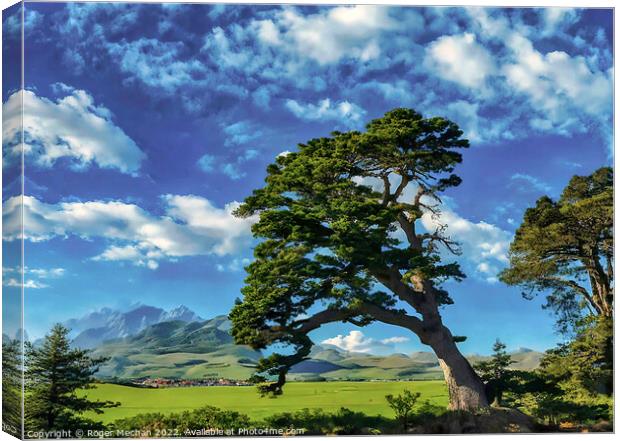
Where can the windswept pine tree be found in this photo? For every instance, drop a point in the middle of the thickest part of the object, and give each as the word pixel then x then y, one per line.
pixel 340 220
pixel 54 373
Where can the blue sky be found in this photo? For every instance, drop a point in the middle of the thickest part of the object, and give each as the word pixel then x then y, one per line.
pixel 147 124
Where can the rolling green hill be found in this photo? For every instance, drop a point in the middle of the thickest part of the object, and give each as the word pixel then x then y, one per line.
pixel 180 350
pixel 195 350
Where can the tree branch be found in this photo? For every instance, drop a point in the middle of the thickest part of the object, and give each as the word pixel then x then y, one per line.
pixel 386 190
pixel 404 181
pixel 397 318
pixel 580 289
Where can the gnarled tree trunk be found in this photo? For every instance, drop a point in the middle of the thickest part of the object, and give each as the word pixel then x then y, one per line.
pixel 465 389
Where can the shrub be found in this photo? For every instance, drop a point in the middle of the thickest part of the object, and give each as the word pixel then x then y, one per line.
pixel 403 405
pixel 181 424
pixel 341 422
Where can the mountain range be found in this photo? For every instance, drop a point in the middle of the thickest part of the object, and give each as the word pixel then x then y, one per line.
pixel 151 342
pixel 93 329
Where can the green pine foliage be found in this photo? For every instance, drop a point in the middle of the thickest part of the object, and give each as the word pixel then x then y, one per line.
pixel 564 249
pixel 11 387
pixel 54 372
pixel 329 237
pixel 495 373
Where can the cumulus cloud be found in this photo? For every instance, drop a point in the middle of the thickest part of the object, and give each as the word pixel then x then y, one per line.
pixel 73 127
pixel 12 25
pixel 241 132
pixel 329 35
pixel 191 226
pixel 561 93
pixel 555 19
pixel 518 71
pixel 356 341
pixel 484 245
pixel 461 59
pixel 156 63
pixel 476 128
pixel 348 113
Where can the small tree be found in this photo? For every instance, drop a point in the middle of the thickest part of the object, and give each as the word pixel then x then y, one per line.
pixel 11 387
pixel 54 373
pixel 403 405
pixel 495 373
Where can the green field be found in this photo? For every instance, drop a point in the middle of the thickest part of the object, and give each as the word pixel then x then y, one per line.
pixel 367 397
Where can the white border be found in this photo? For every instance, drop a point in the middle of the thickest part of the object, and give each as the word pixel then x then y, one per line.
pixel 488 3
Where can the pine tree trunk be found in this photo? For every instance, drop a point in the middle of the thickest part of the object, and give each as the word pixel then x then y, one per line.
pixel 465 389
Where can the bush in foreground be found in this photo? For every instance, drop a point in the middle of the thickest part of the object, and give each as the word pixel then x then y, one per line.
pixel 341 422
pixel 184 423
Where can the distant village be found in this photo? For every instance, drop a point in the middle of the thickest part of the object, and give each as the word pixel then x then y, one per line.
pixel 178 382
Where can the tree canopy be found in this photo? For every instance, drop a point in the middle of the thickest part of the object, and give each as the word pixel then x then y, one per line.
pixel 564 249
pixel 339 220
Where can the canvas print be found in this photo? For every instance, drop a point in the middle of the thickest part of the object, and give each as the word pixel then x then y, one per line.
pixel 289 220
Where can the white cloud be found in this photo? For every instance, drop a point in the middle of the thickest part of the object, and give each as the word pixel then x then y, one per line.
pixel 476 128
pixel 559 85
pixel 390 340
pixel 556 19
pixel 28 284
pixel 560 93
pixel 527 182
pixel 240 138
pixel 461 59
pixel 156 63
pixel 294 52
pixel 356 341
pixel 42 273
pixel 347 113
pixel 207 163
pixel 484 246
pixel 233 266
pixel 241 132
pixel 46 273
pixel 398 91
pixel 191 226
pixel 12 26
pixel 32 283
pixel 330 35
pixel 72 127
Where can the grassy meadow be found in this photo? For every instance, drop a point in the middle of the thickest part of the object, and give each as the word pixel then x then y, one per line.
pixel 367 397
